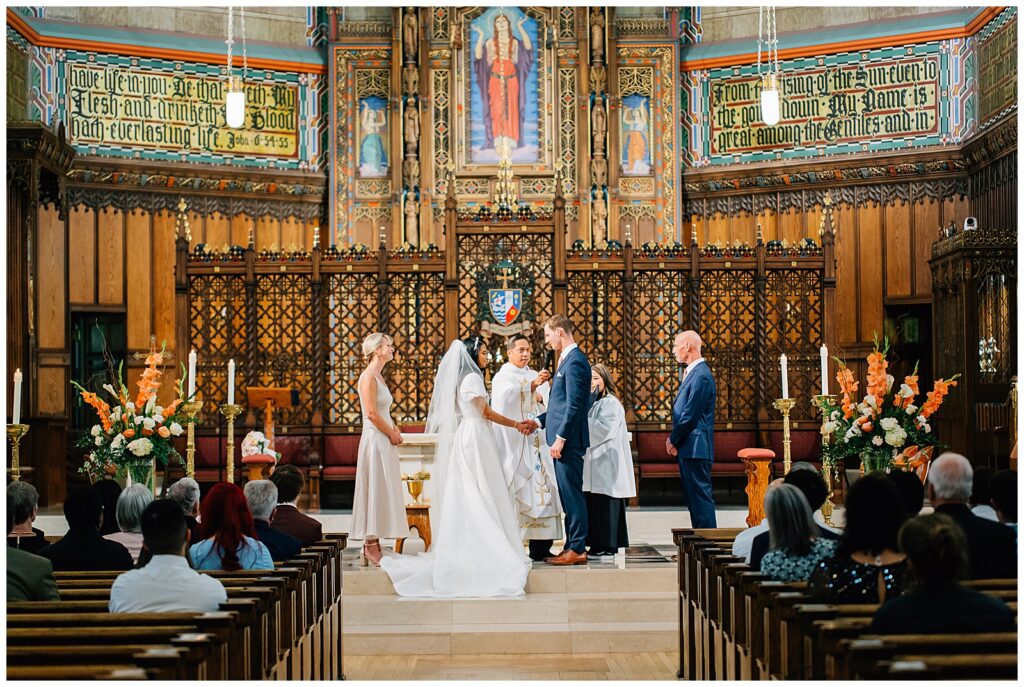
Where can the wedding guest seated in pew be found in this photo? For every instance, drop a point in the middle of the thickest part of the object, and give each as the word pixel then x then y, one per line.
pixel 981 499
pixel 810 483
pixel 109 491
pixel 868 566
pixel 130 504
pixel 29 577
pixel 165 582
pixel 83 548
pixel 261 495
pixel 992 546
pixel 25 500
pixel 185 493
pixel 744 541
pixel 911 490
pixel 1003 490
pixel 230 537
pixel 935 603
pixel 797 545
pixel 290 481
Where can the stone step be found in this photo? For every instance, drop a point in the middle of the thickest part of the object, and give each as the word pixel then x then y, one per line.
pixel 545 638
pixel 544 579
pixel 533 609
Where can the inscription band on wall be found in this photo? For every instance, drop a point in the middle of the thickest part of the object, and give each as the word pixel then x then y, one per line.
pixel 828 105
pixel 119 106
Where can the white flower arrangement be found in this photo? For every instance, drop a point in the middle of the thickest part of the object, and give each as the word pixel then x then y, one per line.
pixel 256 443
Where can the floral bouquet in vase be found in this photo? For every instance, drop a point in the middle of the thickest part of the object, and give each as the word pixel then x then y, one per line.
pixel 886 428
pixel 132 435
pixel 256 443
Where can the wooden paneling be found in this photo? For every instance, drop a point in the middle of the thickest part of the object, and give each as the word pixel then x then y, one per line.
pixel 239 229
pixel 82 252
pixel 926 232
pixel 110 225
pixel 293 234
pixel 53 385
pixel 268 235
pixel 870 271
pixel 217 233
pixel 163 278
pixel 51 312
pixel 846 274
pixel 140 280
pixel 791 226
pixel 897 250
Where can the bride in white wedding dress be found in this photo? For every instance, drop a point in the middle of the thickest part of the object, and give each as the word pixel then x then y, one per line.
pixel 477 550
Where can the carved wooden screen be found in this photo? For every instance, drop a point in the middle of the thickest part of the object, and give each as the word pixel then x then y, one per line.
pixel 661 309
pixel 217 328
pixel 351 314
pixel 416 320
pixel 794 326
pixel 598 313
pixel 283 355
pixel 727 324
pixel 531 256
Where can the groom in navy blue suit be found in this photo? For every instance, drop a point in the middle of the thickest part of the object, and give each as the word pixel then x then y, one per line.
pixel 692 440
pixel 567 432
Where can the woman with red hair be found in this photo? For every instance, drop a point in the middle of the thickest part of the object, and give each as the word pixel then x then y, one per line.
pixel 230 538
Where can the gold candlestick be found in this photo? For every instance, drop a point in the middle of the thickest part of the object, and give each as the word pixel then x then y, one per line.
pixel 827 465
pixel 785 405
pixel 191 409
pixel 231 411
pixel 14 435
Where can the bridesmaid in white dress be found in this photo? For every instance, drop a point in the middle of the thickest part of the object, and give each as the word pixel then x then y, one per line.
pixel 378 507
pixel 477 549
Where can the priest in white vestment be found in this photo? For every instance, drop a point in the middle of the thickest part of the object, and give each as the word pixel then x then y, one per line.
pixel 517 392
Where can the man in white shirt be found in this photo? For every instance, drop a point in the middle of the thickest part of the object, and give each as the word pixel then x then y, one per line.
pixel 166 583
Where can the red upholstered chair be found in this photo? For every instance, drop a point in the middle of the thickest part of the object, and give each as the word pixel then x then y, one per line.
pixel 728 444
pixel 805 445
pixel 211 452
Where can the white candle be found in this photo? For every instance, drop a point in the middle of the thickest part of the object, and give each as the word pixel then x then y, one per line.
pixel 785 375
pixel 16 415
pixel 191 375
pixel 231 382
pixel 824 370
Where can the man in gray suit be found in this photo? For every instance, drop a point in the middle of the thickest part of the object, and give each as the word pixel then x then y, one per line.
pixel 29 577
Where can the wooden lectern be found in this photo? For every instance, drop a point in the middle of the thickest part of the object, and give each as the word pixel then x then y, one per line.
pixel 269 397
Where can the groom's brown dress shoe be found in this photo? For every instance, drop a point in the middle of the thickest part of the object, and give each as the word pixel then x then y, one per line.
pixel 569 557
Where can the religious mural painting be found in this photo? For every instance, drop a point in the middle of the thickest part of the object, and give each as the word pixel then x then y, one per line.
pixel 504 108
pixel 636 135
pixel 373 136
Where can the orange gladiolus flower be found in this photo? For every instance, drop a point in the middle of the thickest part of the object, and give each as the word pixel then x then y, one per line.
pixel 936 396
pixel 128 433
pixel 848 385
pixel 101 408
pixel 877 380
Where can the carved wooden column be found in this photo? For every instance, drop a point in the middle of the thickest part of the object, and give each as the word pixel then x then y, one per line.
pixel 451 263
pixel 827 232
pixel 412 120
pixel 38 160
pixel 597 30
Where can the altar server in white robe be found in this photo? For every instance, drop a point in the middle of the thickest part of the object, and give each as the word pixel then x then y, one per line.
pixel 607 468
pixel 518 392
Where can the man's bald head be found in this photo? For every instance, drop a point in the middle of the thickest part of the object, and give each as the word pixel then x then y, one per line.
pixel 687 346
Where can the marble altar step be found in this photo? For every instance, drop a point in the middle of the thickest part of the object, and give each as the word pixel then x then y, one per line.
pixel 565 610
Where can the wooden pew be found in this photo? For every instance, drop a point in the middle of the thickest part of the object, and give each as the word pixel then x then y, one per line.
pixel 863 656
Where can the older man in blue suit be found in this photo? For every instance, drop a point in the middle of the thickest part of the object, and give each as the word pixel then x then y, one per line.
pixel 567 432
pixel 692 440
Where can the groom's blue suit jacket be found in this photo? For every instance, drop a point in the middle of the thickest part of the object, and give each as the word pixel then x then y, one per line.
pixel 693 416
pixel 569 402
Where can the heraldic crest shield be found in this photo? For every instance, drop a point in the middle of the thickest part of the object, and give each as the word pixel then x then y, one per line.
pixel 505 291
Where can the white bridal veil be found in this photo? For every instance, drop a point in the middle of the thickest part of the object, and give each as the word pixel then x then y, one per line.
pixel 444 417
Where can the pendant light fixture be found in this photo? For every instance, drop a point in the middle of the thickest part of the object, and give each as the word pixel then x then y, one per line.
pixel 234 106
pixel 769 80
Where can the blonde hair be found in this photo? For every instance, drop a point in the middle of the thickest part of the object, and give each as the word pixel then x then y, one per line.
pixel 559 321
pixel 373 342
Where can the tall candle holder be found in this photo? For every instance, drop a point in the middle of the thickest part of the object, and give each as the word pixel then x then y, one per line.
pixel 14 435
pixel 231 411
pixel 828 467
pixel 191 409
pixel 785 405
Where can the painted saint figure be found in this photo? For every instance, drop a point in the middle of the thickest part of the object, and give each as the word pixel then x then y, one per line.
pixel 373 157
pixel 502 63
pixel 635 130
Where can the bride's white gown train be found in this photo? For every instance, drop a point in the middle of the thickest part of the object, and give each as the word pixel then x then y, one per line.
pixel 476 549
